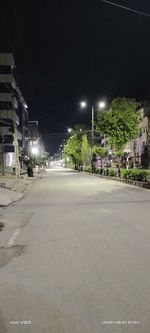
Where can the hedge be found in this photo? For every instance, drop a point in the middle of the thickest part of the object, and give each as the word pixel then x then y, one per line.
pixel 136 174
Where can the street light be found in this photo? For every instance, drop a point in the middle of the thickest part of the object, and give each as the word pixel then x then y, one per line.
pixel 34 151
pixel 69 130
pixel 101 105
pixel 83 104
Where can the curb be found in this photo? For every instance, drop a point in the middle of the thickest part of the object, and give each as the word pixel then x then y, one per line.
pixel 22 188
pixel 136 183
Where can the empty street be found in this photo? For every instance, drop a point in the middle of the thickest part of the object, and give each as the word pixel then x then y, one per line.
pixel 75 257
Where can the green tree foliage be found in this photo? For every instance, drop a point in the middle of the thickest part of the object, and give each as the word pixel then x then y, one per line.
pixel 81 129
pixel 73 149
pixel 75 146
pixel 120 124
pixel 85 150
pixel 100 151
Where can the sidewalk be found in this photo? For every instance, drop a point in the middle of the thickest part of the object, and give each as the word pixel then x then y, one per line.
pixel 8 196
pixel 11 189
pixel 13 184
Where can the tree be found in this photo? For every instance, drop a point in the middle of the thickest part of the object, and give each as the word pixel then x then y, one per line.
pixel 85 150
pixel 120 124
pixel 73 149
pixel 102 152
pixel 74 144
pixel 81 129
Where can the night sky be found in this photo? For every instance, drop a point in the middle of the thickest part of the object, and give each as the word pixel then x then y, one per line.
pixel 66 51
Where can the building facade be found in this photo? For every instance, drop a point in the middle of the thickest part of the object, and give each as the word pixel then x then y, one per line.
pixel 13 118
pixel 33 128
pixel 36 146
pixel 139 149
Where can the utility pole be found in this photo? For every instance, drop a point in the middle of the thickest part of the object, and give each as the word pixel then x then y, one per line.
pixel 3 156
pixel 92 126
pixel 16 148
pixel 134 152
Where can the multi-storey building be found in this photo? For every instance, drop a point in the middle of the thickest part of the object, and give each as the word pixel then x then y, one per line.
pixel 139 149
pixel 33 131
pixel 13 117
pixel 33 137
pixel 36 146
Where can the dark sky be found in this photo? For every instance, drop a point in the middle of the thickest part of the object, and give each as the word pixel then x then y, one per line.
pixel 69 50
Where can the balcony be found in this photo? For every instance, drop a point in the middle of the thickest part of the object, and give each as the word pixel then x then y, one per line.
pixel 7 59
pixel 7 78
pixel 9 115
pixel 9 98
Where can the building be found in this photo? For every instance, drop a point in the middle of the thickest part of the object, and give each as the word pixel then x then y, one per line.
pixel 33 127
pixel 33 137
pixel 36 146
pixel 139 149
pixel 13 118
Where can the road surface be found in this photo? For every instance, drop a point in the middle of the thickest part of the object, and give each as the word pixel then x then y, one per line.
pixel 75 257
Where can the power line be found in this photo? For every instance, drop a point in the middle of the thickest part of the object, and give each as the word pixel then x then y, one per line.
pixel 51 118
pixel 52 134
pixel 126 8
pixel 62 133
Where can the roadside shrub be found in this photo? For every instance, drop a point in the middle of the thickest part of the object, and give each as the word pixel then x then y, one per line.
pixel 147 175
pixel 113 172
pixel 106 172
pixel 125 173
pixel 136 174
pixel 109 172
pixel 101 171
pixel 87 169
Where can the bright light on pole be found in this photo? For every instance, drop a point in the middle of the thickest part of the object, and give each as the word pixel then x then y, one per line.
pixel 102 105
pixel 34 151
pixel 69 130
pixel 83 104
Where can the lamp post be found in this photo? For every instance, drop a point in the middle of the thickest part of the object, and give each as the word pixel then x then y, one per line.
pixel 101 105
pixel 34 150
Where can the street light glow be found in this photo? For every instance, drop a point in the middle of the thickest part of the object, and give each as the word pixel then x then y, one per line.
pixel 34 151
pixel 69 130
pixel 83 104
pixel 102 105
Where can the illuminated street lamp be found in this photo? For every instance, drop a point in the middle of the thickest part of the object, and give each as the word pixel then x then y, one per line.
pixel 69 130
pixel 101 105
pixel 83 104
pixel 34 151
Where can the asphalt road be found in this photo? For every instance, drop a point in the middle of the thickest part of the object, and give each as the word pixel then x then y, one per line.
pixel 76 257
